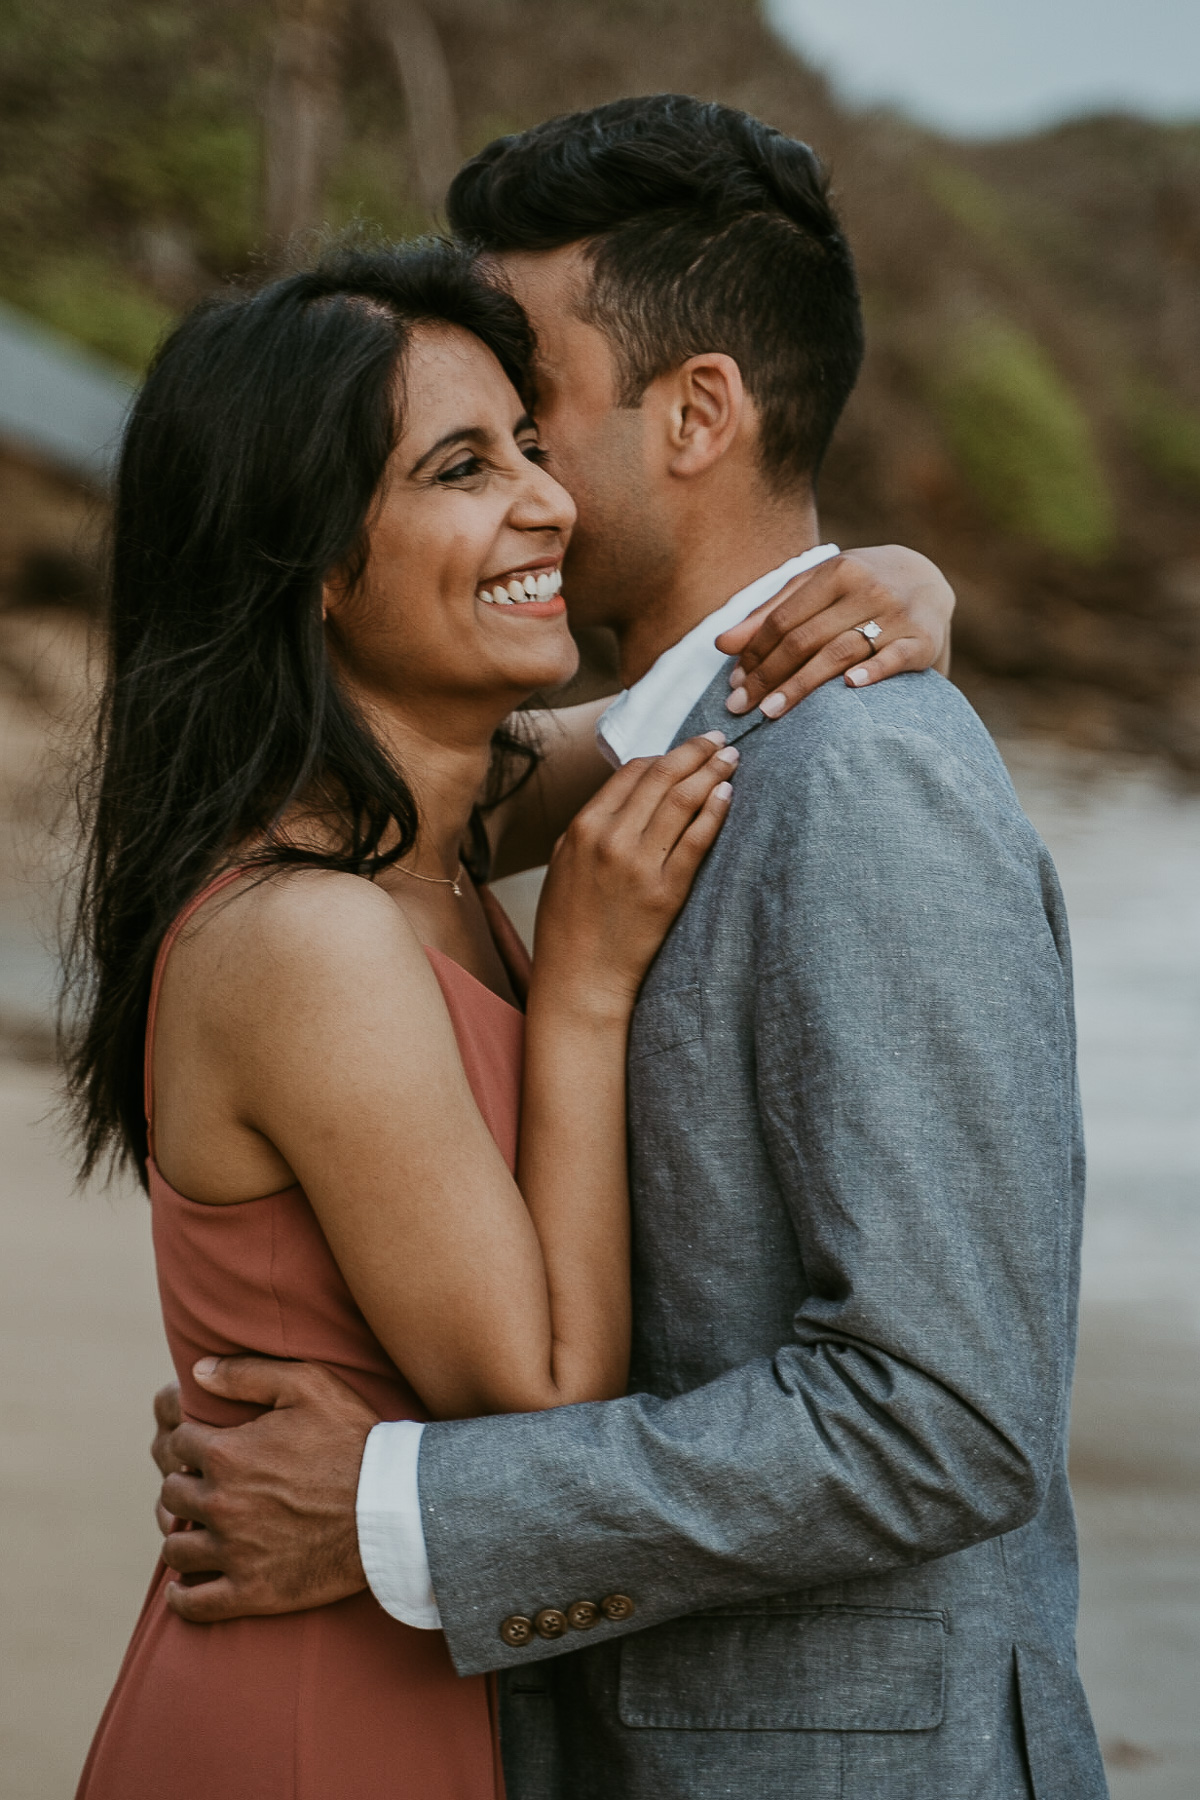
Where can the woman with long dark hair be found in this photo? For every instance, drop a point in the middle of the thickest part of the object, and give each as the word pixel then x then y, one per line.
pixel 335 575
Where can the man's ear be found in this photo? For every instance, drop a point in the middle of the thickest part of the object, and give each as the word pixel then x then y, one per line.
pixel 707 409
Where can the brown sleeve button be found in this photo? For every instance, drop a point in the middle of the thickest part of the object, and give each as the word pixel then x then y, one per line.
pixel 617 1607
pixel 517 1631
pixel 582 1615
pixel 550 1622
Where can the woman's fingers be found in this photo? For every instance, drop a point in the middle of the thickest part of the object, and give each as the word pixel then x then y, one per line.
pixel 650 779
pixel 695 842
pixel 629 793
pixel 687 799
pixel 849 655
pixel 845 653
pixel 891 659
pixel 811 610
pixel 805 594
pixel 806 656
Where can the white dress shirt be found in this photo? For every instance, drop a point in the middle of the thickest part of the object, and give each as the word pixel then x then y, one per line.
pixel 642 721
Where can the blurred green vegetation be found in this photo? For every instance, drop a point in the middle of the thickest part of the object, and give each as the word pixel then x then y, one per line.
pixel 94 301
pixel 1168 435
pixel 129 143
pixel 1023 440
pixel 971 202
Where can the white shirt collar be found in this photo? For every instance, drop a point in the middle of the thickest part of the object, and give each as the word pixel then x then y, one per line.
pixel 645 718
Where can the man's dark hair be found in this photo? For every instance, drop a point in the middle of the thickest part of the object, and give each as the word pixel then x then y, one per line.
pixel 706 230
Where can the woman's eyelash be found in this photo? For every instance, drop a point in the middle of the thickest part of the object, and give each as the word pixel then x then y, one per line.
pixel 470 465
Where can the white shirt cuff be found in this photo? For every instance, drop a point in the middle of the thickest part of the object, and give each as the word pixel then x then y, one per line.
pixel 391 1538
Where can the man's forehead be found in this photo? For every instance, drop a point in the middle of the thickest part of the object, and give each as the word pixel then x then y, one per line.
pixel 548 283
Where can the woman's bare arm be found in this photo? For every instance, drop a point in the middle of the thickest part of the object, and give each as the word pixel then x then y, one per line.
pixel 491 1294
pixel 524 830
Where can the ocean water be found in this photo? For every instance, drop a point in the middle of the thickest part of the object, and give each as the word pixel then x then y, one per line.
pixel 1127 845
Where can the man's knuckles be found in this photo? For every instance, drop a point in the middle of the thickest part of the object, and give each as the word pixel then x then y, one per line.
pixel 210 1602
pixel 180 1493
pixel 191 1552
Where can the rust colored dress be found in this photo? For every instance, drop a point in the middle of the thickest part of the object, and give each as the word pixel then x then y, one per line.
pixel 341 1702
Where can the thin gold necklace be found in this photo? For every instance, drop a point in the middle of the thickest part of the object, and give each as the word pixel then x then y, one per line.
pixel 450 881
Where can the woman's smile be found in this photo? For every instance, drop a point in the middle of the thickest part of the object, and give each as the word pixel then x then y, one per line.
pixel 534 591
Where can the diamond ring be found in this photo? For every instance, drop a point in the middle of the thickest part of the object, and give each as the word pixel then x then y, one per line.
pixel 871 631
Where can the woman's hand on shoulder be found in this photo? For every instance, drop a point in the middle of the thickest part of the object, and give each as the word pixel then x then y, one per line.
pixel 622 870
pixel 807 633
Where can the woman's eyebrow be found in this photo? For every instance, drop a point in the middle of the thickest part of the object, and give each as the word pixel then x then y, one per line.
pixel 470 434
pixel 464 434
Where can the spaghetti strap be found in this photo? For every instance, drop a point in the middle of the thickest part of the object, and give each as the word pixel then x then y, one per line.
pixel 512 951
pixel 160 962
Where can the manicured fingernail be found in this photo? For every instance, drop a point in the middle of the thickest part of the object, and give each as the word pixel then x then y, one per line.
pixel 857 677
pixel 737 676
pixel 724 791
pixel 773 705
pixel 715 737
pixel 738 701
pixel 728 756
pixel 206 1366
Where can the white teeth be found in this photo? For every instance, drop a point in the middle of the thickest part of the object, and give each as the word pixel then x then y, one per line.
pixel 521 593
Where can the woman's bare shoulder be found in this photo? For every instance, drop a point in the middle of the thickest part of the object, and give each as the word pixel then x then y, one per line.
pixel 294 993
pixel 300 937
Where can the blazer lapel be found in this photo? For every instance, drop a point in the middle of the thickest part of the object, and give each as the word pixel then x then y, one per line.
pixel 709 713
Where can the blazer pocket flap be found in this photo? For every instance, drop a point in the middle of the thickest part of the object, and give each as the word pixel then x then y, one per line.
pixel 811 1669
pixel 664 1020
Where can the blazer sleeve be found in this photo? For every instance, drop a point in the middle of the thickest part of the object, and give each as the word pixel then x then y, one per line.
pixel 914 1045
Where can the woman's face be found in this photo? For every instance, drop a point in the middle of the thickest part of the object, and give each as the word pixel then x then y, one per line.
pixel 466 520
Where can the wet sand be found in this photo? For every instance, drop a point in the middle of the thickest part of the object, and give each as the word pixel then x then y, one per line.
pixel 82 1348
pixel 1128 853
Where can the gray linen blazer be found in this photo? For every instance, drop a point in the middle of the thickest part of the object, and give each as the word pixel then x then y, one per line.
pixel 836 1495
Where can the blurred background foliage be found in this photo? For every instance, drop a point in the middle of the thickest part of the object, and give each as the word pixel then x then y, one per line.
pixel 1030 410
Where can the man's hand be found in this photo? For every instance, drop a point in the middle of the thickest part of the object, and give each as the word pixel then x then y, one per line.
pixel 269 1505
pixel 806 634
pixel 168 1416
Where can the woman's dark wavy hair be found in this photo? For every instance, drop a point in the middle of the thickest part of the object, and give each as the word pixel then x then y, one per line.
pixel 250 468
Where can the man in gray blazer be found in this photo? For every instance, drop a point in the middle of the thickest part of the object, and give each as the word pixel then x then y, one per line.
pixel 824 1548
